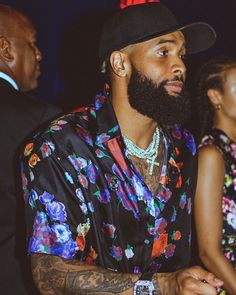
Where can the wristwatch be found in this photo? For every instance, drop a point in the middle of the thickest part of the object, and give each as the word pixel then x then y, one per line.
pixel 143 287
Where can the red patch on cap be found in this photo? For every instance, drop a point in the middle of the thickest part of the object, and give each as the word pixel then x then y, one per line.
pixel 126 3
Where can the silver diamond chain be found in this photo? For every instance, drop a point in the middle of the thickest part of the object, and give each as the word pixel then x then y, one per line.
pixel 150 153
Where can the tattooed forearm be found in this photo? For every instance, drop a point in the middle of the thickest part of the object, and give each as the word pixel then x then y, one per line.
pixel 98 282
pixel 54 275
pixel 156 284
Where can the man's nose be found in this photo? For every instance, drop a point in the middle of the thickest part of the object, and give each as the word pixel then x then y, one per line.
pixel 178 68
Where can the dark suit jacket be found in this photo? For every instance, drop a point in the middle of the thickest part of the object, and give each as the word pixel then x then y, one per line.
pixel 20 116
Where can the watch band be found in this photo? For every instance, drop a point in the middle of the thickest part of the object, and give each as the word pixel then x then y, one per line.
pixel 146 276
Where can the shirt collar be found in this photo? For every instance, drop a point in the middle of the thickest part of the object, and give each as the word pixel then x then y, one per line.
pixel 105 115
pixel 9 80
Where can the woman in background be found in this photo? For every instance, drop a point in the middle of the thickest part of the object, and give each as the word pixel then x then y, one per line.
pixel 215 203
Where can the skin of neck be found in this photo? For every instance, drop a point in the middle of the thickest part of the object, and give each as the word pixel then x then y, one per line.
pixel 225 124
pixel 7 70
pixel 135 126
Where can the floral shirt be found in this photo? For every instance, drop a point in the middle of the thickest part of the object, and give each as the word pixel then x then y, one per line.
pixel 85 200
pixel 228 149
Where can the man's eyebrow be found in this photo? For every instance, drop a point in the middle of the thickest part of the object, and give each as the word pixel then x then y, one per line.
pixel 171 41
pixel 162 41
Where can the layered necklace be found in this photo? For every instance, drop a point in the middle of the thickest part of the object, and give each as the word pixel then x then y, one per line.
pixel 149 154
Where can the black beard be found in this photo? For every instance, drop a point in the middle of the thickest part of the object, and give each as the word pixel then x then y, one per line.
pixel 153 100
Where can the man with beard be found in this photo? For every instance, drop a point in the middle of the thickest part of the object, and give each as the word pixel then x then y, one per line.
pixel 108 189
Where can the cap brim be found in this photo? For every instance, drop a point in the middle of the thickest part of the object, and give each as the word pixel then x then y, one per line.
pixel 199 36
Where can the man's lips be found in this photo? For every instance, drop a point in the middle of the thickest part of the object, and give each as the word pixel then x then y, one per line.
pixel 174 86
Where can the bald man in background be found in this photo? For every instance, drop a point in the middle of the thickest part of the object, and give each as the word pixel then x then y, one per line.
pixel 20 116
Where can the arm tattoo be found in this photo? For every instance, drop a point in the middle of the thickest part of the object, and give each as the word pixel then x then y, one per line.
pixel 97 282
pixel 54 275
pixel 156 285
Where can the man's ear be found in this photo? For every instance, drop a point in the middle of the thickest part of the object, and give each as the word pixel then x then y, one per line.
pixel 215 96
pixel 6 50
pixel 119 63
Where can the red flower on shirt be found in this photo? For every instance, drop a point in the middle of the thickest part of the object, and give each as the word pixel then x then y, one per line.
pixel 160 245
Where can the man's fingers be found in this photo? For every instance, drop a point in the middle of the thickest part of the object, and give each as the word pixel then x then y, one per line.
pixel 211 279
pixel 194 286
pixel 202 275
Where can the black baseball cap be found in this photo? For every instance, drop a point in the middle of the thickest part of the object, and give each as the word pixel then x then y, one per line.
pixel 141 22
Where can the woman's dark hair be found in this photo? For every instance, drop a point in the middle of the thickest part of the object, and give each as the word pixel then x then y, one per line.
pixel 211 76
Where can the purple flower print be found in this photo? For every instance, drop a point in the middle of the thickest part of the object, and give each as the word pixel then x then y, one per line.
pixel 42 236
pixel 173 218
pixel 62 232
pixel 99 101
pixel 160 225
pixel 137 269
pixel 56 211
pixel 116 252
pixel 84 134
pixel 170 250
pixel 183 201
pixel 189 205
pixel 102 138
pixel 90 207
pixel 32 199
pixel 67 250
pixel 164 194
pixel 159 228
pixel 84 208
pixel 69 178
pixel 46 198
pixel 77 162
pixel 189 141
pixel 176 131
pixel 92 172
pixel 103 196
pixel 140 189
pixel 116 170
pixel 55 240
pixel 233 152
pixel 224 138
pixel 80 195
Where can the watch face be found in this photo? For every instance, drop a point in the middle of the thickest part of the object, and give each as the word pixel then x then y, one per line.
pixel 143 288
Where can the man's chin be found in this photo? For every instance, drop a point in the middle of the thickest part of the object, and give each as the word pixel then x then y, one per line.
pixel 172 92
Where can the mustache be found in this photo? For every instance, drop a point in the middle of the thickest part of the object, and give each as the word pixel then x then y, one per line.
pixel 176 78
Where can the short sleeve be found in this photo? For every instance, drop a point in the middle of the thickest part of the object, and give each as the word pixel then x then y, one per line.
pixel 55 219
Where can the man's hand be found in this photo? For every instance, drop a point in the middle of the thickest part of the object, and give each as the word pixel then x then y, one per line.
pixel 194 280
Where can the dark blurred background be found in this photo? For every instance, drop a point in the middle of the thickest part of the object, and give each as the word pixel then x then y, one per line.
pixel 68 34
